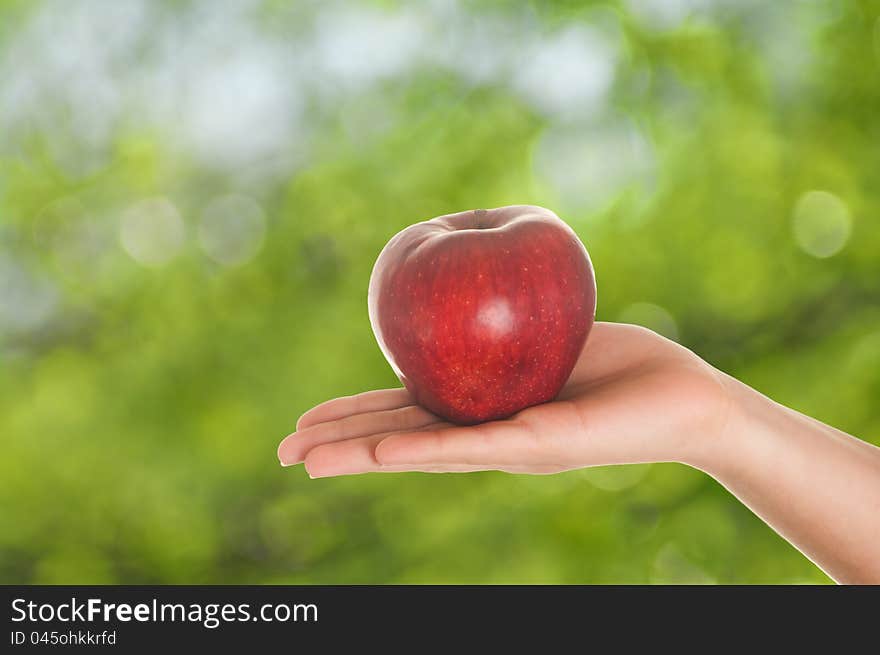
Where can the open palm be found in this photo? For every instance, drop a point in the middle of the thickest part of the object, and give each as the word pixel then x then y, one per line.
pixel 634 396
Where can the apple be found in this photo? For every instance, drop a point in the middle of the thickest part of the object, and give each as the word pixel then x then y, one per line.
pixel 484 312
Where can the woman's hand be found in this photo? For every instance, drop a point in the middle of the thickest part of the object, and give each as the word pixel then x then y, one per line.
pixel 633 396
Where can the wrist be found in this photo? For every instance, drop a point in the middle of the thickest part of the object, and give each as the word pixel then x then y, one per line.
pixel 732 430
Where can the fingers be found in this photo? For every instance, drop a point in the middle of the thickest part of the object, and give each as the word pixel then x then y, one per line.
pixel 496 445
pixel 511 445
pixel 369 401
pixel 409 438
pixel 355 456
pixel 294 447
pixel 344 457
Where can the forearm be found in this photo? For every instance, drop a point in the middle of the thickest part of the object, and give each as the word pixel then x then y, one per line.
pixel 817 487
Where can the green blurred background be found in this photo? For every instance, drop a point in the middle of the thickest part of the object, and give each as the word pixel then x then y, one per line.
pixel 192 194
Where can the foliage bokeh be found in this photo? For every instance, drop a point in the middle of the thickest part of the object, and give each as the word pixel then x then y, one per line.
pixel 192 195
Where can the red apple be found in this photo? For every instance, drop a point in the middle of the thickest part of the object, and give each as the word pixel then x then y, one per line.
pixel 485 312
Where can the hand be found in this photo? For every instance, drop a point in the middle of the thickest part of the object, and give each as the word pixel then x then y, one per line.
pixel 633 396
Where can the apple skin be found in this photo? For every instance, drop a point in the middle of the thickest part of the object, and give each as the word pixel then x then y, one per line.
pixel 484 312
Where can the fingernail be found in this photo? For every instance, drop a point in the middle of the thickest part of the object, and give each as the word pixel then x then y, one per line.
pixel 285 461
pixel 320 474
pixel 290 461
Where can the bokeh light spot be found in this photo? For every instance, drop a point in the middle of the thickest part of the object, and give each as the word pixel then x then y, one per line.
pixel 866 352
pixel 77 240
pixel 651 316
pixel 615 478
pixel 152 232
pixel 568 74
pixel 672 567
pixel 587 168
pixel 232 229
pixel 821 223
pixel 54 220
pixel 357 46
